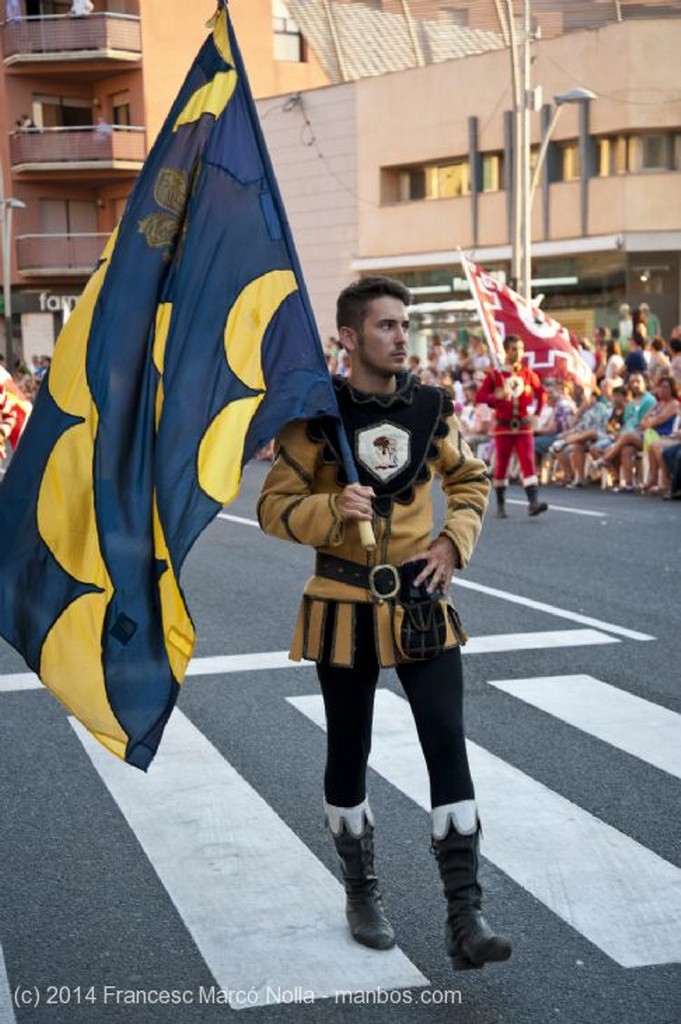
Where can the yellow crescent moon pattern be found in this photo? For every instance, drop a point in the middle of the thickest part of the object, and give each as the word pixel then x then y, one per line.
pixel 178 630
pixel 71 657
pixel 247 323
pixel 213 97
pixel 221 37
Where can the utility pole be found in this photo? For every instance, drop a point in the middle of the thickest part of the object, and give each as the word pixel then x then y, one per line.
pixel 526 205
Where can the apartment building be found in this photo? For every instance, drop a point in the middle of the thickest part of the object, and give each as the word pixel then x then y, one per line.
pixel 82 99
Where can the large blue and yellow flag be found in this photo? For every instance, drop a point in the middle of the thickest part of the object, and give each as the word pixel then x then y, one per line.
pixel 192 345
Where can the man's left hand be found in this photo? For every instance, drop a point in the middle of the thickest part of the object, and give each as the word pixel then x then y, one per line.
pixel 442 559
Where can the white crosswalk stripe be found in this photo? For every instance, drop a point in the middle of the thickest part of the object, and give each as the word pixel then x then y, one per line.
pixel 495 643
pixel 233 869
pixel 621 896
pixel 645 730
pixel 6 1005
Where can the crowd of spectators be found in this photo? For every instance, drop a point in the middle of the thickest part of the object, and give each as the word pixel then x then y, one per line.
pixel 623 434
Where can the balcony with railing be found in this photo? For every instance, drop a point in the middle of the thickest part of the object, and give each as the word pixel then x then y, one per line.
pixel 102 147
pixel 66 255
pixel 49 39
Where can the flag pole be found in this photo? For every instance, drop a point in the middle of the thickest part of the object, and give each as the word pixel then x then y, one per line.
pixel 365 528
pixel 481 313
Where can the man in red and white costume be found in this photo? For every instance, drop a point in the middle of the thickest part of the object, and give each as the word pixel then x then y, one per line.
pixel 516 395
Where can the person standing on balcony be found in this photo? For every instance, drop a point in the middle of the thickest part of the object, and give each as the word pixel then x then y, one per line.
pixel 79 8
pixel 13 10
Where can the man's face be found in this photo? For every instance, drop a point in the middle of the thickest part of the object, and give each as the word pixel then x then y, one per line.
pixel 636 384
pixel 515 352
pixel 380 346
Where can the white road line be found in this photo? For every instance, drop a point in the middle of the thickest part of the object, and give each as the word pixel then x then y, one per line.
pixel 6 1005
pixel 563 508
pixel 494 644
pixel 241 663
pixel 238 519
pixel 228 663
pixel 265 914
pixel 561 613
pixel 645 730
pixel 621 896
pixel 19 681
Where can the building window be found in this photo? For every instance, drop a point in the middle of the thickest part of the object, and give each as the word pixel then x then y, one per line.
pixel 289 44
pixel 569 161
pixel 120 108
pixel 657 152
pixel 433 181
pixel 615 155
pixel 492 172
pixel 61 111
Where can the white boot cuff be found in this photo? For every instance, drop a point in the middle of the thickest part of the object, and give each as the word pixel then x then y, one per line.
pixel 354 818
pixel 463 815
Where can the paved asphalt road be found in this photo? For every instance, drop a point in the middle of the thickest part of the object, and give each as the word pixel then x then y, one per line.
pixel 210 878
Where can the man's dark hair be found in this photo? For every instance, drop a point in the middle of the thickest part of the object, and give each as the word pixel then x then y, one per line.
pixel 509 339
pixel 353 301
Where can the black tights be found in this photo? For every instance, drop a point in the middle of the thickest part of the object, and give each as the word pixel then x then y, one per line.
pixel 434 690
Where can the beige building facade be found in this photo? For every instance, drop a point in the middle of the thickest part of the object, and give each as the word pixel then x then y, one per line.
pixel 433 173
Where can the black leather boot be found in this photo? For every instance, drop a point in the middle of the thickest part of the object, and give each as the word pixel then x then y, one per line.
pixel 535 507
pixel 471 943
pixel 500 493
pixel 364 909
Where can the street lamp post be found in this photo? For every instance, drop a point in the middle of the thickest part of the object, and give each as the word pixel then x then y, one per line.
pixel 577 95
pixel 7 207
pixel 571 96
pixel 524 180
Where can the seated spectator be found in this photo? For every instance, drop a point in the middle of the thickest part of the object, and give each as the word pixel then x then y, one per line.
pixel 476 420
pixel 614 363
pixel 606 437
pixel 621 455
pixel 571 453
pixel 587 353
pixel 659 424
pixel 414 365
pixel 635 360
pixel 480 360
pixel 659 364
pixel 675 349
pixel 557 417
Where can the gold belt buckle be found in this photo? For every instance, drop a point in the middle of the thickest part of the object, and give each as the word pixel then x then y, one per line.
pixel 393 588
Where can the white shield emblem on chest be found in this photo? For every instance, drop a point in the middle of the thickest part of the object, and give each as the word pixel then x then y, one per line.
pixel 384 450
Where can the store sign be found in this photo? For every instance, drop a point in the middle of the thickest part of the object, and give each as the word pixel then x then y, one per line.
pixel 50 303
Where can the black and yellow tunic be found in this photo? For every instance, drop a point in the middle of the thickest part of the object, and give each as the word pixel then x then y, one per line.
pixel 399 442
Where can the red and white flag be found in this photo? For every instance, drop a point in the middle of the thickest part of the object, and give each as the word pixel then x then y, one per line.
pixel 549 350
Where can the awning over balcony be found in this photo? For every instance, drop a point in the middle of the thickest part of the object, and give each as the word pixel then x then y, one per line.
pixel 42 255
pixel 60 37
pixel 104 145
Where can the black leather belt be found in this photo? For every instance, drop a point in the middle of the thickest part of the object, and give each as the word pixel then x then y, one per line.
pixel 515 423
pixel 383 581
